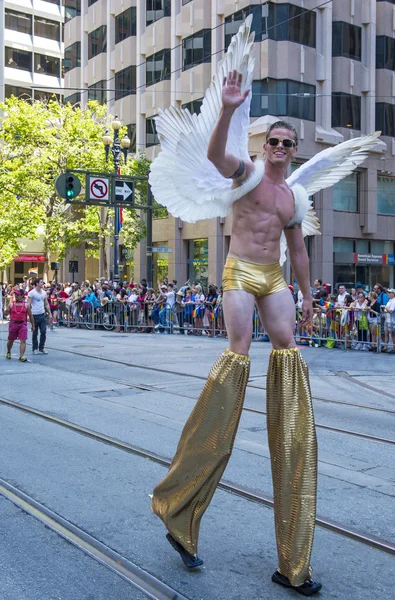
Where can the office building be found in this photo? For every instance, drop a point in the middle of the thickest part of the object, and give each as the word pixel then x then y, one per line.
pixel 330 69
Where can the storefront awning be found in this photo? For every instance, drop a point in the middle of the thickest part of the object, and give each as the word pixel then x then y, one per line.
pixel 30 258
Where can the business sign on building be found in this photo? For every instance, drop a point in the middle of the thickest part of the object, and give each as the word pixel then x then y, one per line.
pixel 368 259
pixel 363 259
pixel 30 258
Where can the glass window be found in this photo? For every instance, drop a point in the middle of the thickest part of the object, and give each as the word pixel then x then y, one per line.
pixel 160 261
pixel 196 49
pixel 346 110
pixel 283 97
pixel 198 261
pixel 90 2
pixel 343 245
pixel 287 22
pixel 389 1
pixel 72 8
pixel 57 2
pixel 18 21
pixel 73 99
pixel 157 67
pixel 46 28
pixel 12 90
pixel 125 24
pixel 151 137
pixel 194 106
pixel 157 9
pixel 233 22
pixel 385 118
pixel 98 92
pixel 132 136
pixel 345 195
pixel 47 65
pixel 346 40
pixel 362 246
pixel 385 196
pixel 18 59
pixel 72 57
pixel 385 52
pixel 42 95
pixel 184 2
pixel 302 26
pixel 125 82
pixel 380 247
pixel 97 41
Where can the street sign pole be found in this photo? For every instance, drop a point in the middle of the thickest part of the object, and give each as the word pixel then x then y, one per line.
pixel 116 231
pixel 149 237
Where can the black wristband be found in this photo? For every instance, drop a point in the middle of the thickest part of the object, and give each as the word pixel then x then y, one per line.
pixel 239 171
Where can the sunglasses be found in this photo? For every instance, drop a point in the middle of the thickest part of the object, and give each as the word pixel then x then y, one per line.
pixel 286 142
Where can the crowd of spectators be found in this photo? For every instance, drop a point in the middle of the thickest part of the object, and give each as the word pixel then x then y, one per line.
pixel 132 307
pixel 350 318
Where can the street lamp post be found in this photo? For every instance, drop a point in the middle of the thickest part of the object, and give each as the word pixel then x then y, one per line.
pixel 119 146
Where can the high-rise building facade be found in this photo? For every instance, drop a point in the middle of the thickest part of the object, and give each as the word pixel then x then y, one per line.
pixel 327 66
pixel 31 57
pixel 31 48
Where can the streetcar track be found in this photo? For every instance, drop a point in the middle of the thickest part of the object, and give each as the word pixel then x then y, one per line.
pixel 346 375
pixel 139 578
pixel 241 491
pixel 202 378
pixel 148 388
pixel 343 374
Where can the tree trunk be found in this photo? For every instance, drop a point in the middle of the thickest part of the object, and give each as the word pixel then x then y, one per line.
pixel 47 259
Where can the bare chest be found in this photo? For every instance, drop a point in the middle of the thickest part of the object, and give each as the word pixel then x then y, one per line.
pixel 268 201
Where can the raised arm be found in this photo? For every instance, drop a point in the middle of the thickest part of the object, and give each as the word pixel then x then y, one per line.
pixel 228 165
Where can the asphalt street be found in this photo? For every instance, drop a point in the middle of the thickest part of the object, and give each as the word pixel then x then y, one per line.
pixel 93 379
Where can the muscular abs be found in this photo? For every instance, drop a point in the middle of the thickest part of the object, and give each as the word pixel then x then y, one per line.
pixel 258 221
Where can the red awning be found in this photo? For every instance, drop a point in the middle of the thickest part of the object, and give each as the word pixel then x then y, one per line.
pixel 30 258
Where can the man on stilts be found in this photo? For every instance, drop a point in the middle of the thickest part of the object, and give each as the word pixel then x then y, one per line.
pixel 265 208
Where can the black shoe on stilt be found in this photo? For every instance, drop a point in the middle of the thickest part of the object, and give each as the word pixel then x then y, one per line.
pixel 188 559
pixel 308 588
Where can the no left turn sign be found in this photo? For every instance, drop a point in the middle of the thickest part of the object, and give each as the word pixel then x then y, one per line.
pixel 98 188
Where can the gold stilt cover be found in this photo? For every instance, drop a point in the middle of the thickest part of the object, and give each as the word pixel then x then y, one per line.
pixel 204 449
pixel 293 450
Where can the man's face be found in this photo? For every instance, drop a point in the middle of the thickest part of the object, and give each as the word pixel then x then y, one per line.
pixel 316 283
pixel 40 284
pixel 376 289
pixel 342 289
pixel 279 155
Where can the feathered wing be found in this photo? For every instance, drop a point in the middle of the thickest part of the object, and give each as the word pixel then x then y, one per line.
pixel 324 170
pixel 333 164
pixel 182 178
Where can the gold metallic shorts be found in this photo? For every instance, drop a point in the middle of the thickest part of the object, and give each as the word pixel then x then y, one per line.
pixel 255 278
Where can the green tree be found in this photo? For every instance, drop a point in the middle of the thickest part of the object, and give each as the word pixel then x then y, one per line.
pixel 39 140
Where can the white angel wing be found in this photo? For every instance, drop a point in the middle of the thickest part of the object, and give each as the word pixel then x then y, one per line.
pixel 333 164
pixel 304 214
pixel 181 177
pixel 322 171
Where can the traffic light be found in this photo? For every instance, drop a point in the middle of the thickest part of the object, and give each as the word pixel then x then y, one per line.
pixel 67 186
pixel 70 190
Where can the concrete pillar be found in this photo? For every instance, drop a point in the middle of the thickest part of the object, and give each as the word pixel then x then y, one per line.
pixel 368 200
pixel 140 76
pixel 73 254
pixel 177 258
pixel 321 257
pixel 215 251
pixel 368 107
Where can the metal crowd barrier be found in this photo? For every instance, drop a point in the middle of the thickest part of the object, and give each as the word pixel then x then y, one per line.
pixel 332 327
pixel 345 328
pixel 149 317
